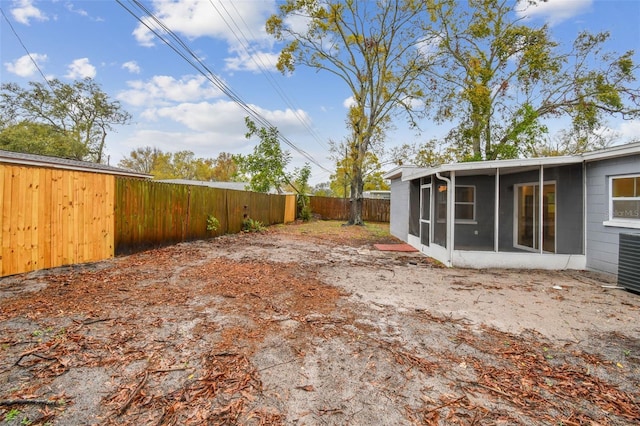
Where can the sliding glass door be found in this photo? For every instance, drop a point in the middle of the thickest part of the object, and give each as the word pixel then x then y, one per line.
pixel 528 220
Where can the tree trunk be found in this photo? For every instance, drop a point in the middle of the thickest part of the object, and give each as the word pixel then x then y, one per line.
pixel 357 189
pixel 355 214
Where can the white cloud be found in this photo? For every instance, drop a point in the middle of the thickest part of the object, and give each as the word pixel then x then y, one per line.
pixel 202 144
pixel 349 102
pixel 144 36
pixel 132 67
pixel 227 117
pixel 255 63
pixel 553 11
pixel 164 90
pixel 299 23
pixel 210 18
pixel 629 130
pixel 81 68
pixel 24 66
pixel 239 24
pixel 205 116
pixel 428 46
pixel 24 11
pixel 71 8
pixel 287 121
pixel 211 127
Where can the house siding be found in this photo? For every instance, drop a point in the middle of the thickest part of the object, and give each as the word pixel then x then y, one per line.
pixel 399 224
pixel 570 205
pixel 478 235
pixel 602 241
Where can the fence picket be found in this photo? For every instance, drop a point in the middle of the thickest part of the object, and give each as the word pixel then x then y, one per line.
pixel 330 208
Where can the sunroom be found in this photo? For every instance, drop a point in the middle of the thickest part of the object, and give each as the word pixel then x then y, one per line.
pixel 510 213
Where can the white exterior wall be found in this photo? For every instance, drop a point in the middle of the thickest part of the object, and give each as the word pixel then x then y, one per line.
pixel 399 221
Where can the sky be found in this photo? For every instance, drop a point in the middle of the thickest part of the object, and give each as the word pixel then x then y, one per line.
pixel 174 108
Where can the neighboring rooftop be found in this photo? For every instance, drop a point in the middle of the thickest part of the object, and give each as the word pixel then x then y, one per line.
pixel 238 186
pixel 10 157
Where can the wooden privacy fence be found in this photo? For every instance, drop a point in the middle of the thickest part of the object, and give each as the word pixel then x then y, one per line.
pixel 152 213
pixel 373 210
pixel 52 217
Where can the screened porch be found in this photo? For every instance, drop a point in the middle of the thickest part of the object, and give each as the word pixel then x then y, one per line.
pixel 515 213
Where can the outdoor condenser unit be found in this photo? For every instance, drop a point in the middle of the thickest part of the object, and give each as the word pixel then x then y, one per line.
pixel 629 262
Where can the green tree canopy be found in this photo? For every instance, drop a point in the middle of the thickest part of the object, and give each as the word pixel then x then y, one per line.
pixel 79 113
pixel 41 139
pixel 340 181
pixel 225 169
pixel 143 160
pixel 498 79
pixel 266 166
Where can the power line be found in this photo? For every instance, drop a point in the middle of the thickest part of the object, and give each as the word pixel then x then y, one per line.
pixel 184 51
pixel 257 60
pixel 35 63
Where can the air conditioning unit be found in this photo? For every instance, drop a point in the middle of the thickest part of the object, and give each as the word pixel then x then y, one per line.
pixel 629 262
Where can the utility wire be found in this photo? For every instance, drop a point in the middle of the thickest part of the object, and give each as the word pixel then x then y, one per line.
pixel 264 69
pixel 184 51
pixel 211 76
pixel 35 63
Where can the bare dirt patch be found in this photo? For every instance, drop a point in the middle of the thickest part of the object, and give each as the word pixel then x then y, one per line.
pixel 309 324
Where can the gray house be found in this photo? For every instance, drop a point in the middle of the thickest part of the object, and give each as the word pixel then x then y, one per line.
pixel 549 213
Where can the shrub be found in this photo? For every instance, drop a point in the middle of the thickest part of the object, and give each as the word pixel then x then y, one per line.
pixel 250 225
pixel 305 213
pixel 212 223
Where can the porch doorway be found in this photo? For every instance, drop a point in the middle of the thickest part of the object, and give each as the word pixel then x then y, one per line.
pixel 528 220
pixel 425 215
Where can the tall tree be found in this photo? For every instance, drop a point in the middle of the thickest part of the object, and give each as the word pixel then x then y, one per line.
pixel 38 138
pixel 499 79
pixel 265 167
pixel 80 112
pixel 144 160
pixel 177 165
pixel 371 169
pixel 323 189
pixel 225 168
pixel 372 47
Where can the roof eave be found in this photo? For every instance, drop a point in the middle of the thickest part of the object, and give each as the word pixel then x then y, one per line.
pixel 613 152
pixel 398 171
pixel 494 164
pixel 52 165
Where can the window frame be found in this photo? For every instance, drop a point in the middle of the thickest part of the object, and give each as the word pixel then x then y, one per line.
pixel 456 202
pixel 624 222
pixel 466 203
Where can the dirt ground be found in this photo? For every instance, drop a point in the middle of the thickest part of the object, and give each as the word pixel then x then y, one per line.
pixel 311 325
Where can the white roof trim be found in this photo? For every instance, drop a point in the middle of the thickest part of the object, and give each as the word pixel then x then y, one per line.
pixel 494 164
pixel 398 171
pixel 612 152
pixel 412 172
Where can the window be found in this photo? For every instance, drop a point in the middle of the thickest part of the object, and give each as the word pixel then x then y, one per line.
pixel 441 203
pixel 625 198
pixel 465 203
